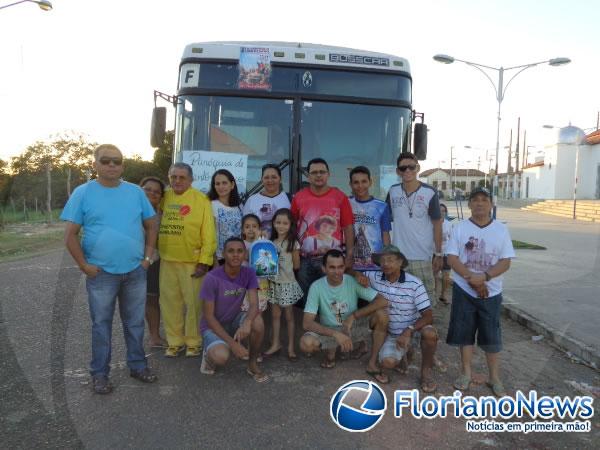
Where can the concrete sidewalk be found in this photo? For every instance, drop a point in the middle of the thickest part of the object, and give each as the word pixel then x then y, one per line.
pixel 556 292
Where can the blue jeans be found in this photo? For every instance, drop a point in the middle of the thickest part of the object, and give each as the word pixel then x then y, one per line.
pixel 310 271
pixel 103 291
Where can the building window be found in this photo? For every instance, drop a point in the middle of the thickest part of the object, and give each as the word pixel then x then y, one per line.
pixel 472 185
pixel 435 184
pixel 443 185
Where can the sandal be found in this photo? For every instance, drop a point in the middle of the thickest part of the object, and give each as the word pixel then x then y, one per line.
pixel 462 383
pixel 173 351
pixel 428 385
pixel 145 375
pixel 259 377
pixel 206 367
pixel 379 376
pixel 327 363
pixel 292 358
pixel 101 384
pixel 402 367
pixel 497 388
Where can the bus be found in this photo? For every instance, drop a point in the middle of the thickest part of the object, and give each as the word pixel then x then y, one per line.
pixel 240 105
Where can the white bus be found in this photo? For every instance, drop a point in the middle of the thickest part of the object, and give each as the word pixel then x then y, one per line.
pixel 240 105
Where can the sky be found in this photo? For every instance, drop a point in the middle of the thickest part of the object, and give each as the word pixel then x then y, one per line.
pixel 92 66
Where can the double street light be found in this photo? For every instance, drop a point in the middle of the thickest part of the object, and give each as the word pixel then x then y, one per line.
pixel 500 90
pixel 43 4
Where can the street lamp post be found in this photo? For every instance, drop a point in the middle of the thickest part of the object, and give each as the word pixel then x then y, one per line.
pixel 43 4
pixel 500 90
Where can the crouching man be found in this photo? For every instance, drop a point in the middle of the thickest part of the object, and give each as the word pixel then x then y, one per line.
pixel 410 314
pixel 341 324
pixel 224 326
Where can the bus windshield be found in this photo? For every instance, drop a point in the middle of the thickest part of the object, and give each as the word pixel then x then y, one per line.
pixel 261 130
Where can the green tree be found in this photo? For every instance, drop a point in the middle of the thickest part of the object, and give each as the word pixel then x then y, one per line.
pixel 163 155
pixel 135 168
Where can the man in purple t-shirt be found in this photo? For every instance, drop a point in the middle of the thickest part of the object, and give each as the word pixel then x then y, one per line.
pixel 224 326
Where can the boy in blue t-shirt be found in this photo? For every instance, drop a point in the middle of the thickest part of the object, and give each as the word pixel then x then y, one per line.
pixel 372 224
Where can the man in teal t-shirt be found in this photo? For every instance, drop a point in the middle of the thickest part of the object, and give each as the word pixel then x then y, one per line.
pixel 341 324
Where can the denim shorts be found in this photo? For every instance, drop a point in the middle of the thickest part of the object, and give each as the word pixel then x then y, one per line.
pixel 472 316
pixel 210 338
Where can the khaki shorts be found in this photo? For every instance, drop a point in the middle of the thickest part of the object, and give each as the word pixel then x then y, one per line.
pixel 361 331
pixel 424 271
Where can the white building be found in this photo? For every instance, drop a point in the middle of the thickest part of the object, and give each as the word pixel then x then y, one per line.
pixel 445 179
pixel 554 176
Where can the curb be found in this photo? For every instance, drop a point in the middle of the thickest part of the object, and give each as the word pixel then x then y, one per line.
pixel 575 349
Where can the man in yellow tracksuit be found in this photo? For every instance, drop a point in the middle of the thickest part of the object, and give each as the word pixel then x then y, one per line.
pixel 187 243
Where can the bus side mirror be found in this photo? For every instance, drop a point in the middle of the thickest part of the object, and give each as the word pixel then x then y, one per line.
pixel 158 126
pixel 420 141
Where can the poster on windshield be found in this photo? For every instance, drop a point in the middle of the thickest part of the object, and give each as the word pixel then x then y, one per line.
pixel 205 164
pixel 255 68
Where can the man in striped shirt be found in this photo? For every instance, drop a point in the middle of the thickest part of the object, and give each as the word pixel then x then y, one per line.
pixel 410 315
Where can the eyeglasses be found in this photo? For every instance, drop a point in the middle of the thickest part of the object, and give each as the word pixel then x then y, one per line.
pixel 411 167
pixel 315 173
pixel 106 160
pixel 152 191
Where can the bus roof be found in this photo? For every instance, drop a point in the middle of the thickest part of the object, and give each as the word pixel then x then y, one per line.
pixel 300 53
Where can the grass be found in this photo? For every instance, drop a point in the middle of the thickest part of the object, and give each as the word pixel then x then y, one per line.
pixel 10 216
pixel 520 245
pixel 18 242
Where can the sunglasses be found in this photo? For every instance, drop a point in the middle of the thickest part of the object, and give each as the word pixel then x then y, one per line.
pixel 106 160
pixel 410 167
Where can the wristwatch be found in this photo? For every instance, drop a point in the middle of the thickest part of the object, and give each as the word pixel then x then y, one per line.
pixel 147 258
pixel 440 254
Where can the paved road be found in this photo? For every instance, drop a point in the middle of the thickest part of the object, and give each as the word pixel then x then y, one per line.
pixel 46 400
pixel 561 285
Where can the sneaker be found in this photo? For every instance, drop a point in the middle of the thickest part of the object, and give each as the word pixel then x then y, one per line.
pixel 173 351
pixel 101 384
pixel 144 375
pixel 206 367
pixel 192 352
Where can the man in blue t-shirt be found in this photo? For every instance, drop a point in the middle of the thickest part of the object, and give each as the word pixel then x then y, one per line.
pixel 372 223
pixel 115 252
pixel 341 323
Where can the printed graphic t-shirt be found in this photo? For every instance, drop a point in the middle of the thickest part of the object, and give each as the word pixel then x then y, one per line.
pixel 226 293
pixel 187 228
pixel 334 304
pixel 480 248
pixel 371 219
pixel 412 215
pixel 265 208
pixel 321 219
pixel 228 221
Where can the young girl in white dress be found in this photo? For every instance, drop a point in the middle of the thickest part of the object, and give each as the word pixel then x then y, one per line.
pixel 284 290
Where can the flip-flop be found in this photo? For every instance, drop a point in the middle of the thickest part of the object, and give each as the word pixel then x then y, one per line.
pixel 379 376
pixel 497 388
pixel 275 353
pixel 293 358
pixel 259 377
pixel 327 363
pixel 440 366
pixel 428 385
pixel 462 383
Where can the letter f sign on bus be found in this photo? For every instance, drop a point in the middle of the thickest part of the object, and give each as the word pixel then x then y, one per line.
pixel 189 75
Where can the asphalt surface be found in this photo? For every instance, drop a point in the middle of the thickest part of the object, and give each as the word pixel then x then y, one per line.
pixel 47 401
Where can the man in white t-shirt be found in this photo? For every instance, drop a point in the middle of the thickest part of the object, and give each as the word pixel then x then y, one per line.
pixel 417 230
pixel 479 252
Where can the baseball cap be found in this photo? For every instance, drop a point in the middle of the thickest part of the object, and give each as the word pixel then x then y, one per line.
pixel 388 250
pixel 479 190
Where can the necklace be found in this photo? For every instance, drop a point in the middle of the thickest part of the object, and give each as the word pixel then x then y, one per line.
pixel 410 205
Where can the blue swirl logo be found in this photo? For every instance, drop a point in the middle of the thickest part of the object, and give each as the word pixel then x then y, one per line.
pixel 358 406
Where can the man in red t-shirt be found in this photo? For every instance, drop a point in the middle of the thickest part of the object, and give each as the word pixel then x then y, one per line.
pixel 325 221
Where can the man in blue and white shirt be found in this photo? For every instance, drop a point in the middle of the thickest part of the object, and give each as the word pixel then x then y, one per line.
pixel 410 315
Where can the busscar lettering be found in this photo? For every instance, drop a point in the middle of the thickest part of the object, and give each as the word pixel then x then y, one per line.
pixel 358 59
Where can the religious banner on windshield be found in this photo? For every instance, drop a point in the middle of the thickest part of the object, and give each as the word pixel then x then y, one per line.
pixel 255 68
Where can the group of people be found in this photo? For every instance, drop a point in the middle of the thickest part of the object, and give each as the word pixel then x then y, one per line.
pixel 182 257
